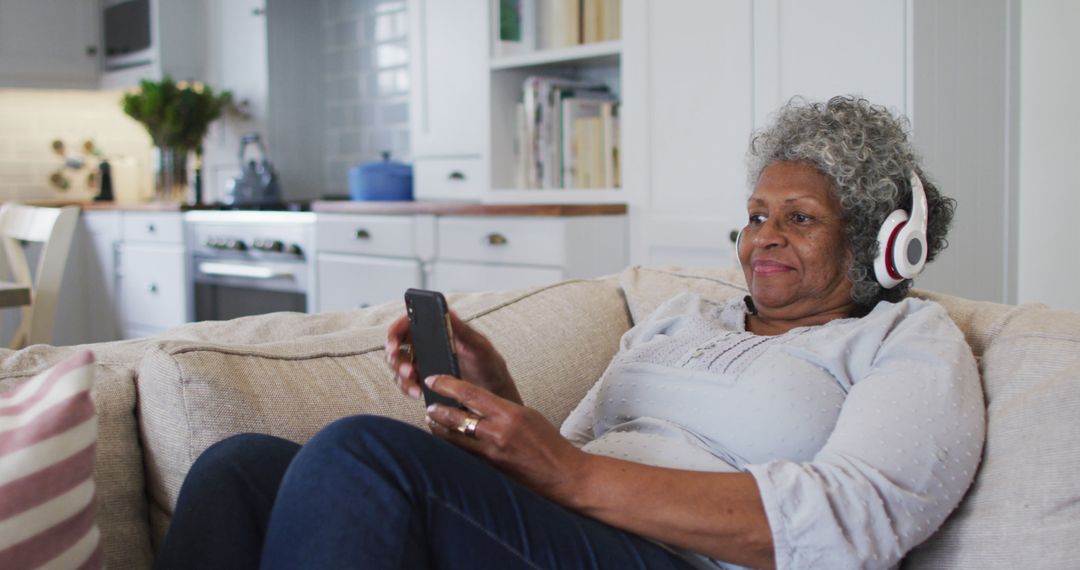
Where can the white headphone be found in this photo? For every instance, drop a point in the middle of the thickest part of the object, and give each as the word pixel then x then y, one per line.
pixel 902 246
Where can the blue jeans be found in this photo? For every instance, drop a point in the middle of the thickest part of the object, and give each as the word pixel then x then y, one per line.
pixel 371 492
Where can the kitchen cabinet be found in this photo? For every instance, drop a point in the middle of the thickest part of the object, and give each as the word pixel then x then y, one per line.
pixel 177 40
pixel 152 275
pixel 367 260
pixel 103 234
pixel 508 252
pixel 448 103
pixel 49 43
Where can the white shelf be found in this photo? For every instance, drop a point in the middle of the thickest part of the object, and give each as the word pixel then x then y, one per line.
pixel 555 196
pixel 594 53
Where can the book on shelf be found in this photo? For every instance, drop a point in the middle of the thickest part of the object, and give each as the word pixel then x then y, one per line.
pixel 566 134
pixel 515 26
pixel 586 139
pixel 565 23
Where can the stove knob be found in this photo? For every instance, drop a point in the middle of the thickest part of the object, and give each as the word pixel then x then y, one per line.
pixel 277 245
pixel 236 245
pixel 294 249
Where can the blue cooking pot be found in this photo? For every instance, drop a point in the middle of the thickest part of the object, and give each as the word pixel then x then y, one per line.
pixel 385 180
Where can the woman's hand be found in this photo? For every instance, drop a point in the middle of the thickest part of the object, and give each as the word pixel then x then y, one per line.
pixel 518 440
pixel 480 363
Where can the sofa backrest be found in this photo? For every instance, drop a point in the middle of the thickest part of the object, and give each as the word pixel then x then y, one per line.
pixel 1023 509
pixel 192 393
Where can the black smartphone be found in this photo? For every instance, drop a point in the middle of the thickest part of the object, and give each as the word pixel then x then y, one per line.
pixel 432 341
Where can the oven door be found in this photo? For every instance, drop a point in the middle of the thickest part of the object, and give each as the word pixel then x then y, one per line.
pixel 227 289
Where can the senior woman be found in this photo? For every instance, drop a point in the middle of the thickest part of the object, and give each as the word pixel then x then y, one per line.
pixel 824 421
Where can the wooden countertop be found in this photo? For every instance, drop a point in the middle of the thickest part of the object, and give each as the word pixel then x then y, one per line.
pixel 91 206
pixel 466 208
pixel 370 208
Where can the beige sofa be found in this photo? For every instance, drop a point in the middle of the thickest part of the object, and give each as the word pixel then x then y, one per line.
pixel 162 400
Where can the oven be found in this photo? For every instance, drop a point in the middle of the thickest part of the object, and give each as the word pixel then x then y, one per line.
pixel 249 263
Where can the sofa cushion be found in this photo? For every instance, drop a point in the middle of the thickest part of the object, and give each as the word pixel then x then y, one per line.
pixel 557 340
pixel 1024 508
pixel 118 466
pixel 647 287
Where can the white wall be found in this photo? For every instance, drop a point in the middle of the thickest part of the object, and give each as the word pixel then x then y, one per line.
pixel 1049 197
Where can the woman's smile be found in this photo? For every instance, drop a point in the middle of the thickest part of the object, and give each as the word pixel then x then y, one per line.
pixel 767 266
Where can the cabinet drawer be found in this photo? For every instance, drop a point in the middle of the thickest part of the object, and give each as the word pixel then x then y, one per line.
pixel 448 178
pixel 153 286
pixel 392 236
pixel 531 241
pixel 160 228
pixel 104 223
pixel 349 282
pixel 454 277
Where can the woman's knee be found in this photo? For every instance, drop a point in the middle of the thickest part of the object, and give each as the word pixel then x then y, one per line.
pixel 242 453
pixel 368 439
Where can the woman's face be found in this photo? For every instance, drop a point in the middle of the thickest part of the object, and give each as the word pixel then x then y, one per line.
pixel 793 250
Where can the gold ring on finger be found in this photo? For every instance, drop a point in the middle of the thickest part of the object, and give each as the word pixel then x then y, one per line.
pixel 468 427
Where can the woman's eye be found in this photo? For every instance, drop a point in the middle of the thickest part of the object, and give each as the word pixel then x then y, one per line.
pixel 757 219
pixel 800 218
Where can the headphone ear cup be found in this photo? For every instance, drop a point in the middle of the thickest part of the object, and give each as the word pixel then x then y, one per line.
pixel 884 266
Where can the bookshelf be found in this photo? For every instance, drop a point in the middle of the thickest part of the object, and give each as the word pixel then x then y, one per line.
pixel 597 63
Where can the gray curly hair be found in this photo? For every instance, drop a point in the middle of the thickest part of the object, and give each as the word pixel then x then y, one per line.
pixel 865 151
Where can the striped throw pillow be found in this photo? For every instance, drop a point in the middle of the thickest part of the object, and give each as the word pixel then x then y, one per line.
pixel 48 430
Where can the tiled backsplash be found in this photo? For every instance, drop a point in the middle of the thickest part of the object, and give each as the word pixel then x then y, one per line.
pixel 367 84
pixel 30 120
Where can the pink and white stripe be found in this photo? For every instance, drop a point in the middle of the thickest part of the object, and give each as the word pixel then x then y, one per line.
pixel 48 431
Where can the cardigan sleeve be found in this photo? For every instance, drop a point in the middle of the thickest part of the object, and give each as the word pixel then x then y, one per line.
pixel 904 450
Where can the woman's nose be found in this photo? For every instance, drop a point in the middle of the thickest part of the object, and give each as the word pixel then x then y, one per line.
pixel 770 233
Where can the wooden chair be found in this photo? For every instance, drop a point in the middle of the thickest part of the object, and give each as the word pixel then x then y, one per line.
pixel 37 293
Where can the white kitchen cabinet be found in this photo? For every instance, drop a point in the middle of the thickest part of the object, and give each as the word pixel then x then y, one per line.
pixel 49 43
pixel 448 103
pixel 364 260
pixel 448 41
pixel 177 47
pixel 152 275
pixel 485 253
pixel 355 281
pixel 103 233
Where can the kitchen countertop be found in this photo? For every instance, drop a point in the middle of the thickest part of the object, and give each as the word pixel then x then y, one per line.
pixel 91 206
pixel 465 208
pixel 369 208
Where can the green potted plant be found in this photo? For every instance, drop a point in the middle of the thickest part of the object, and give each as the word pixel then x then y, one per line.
pixel 177 116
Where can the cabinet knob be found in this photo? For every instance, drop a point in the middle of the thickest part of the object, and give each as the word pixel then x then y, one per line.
pixel 456 175
pixel 151 228
pixel 153 288
pixel 258 11
pixel 496 239
pixel 91 51
pixel 363 234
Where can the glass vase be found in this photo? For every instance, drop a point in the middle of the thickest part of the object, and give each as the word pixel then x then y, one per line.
pixel 171 178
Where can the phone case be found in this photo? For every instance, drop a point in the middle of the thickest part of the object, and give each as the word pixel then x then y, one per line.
pixel 432 340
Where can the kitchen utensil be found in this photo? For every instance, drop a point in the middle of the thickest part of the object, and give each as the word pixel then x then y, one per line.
pixel 258 183
pixel 383 180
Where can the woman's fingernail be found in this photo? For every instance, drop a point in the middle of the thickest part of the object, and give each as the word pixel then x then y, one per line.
pixel 430 381
pixel 431 409
pixel 414 392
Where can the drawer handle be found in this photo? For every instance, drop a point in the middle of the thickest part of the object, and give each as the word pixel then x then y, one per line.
pixel 153 289
pixel 363 234
pixel 151 228
pixel 456 175
pixel 496 239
